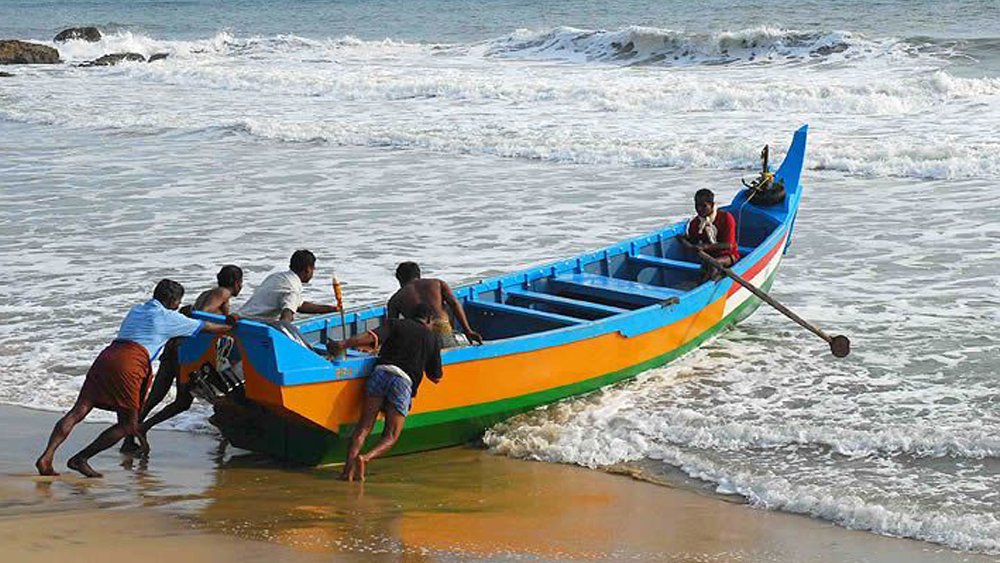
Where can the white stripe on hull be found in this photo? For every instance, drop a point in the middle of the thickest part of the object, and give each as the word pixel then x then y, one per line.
pixel 742 294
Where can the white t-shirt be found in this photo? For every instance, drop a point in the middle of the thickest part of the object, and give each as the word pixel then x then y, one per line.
pixel 280 290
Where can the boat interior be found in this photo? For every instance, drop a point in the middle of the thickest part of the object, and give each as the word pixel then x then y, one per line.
pixel 651 270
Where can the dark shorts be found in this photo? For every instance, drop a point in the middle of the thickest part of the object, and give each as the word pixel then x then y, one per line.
pixel 395 389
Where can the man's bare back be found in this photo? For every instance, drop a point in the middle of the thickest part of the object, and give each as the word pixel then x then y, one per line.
pixel 412 294
pixel 435 293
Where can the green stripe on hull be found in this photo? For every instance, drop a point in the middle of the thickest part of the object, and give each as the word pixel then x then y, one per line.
pixel 267 432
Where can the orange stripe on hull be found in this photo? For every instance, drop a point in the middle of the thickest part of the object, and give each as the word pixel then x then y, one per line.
pixel 332 404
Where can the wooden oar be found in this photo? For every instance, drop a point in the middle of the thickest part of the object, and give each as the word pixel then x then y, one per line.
pixel 839 344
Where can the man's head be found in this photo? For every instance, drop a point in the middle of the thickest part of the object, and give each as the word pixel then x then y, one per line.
pixel 169 293
pixel 231 278
pixel 407 272
pixel 422 313
pixel 704 202
pixel 303 263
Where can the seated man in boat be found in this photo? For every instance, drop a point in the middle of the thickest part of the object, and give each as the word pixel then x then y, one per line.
pixel 119 376
pixel 713 231
pixel 279 296
pixel 437 295
pixel 215 300
pixel 408 350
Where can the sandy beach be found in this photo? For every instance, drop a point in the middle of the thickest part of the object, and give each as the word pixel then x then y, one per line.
pixel 196 500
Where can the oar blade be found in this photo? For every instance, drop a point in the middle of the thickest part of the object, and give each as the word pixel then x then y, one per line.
pixel 840 346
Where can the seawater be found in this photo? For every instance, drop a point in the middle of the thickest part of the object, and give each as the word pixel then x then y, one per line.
pixel 480 137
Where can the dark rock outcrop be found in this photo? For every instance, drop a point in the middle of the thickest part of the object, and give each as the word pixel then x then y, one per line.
pixel 113 59
pixel 6 75
pixel 826 50
pixel 91 34
pixel 157 57
pixel 13 52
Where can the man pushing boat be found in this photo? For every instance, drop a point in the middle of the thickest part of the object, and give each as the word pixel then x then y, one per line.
pixel 215 300
pixel 120 376
pixel 408 350
pixel 436 294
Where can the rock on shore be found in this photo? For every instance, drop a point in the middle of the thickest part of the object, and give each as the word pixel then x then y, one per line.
pixel 13 52
pixel 115 58
pixel 91 34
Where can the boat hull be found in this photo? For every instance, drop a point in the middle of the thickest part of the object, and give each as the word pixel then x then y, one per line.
pixel 595 320
pixel 253 427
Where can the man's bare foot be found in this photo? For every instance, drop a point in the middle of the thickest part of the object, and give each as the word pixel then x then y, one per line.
pixel 81 465
pixel 143 444
pixel 129 446
pixel 44 466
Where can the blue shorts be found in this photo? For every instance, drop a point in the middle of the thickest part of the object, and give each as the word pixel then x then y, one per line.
pixel 396 390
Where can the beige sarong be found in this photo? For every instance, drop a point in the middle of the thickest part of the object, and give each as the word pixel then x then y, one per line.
pixel 445 334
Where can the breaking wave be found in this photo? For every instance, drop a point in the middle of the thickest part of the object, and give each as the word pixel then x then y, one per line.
pixel 492 98
pixel 633 45
pixel 648 45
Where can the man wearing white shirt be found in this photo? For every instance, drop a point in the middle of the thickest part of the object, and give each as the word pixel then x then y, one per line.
pixel 279 297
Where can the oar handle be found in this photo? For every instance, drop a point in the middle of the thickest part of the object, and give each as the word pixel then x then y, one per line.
pixel 338 293
pixel 839 345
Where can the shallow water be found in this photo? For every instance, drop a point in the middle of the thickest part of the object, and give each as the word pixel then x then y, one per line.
pixel 480 138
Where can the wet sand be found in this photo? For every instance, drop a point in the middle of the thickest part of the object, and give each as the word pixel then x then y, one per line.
pixel 196 500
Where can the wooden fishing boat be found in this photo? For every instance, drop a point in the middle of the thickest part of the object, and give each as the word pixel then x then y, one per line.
pixel 552 331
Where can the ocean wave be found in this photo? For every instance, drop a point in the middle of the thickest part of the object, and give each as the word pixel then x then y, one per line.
pixel 631 45
pixel 556 434
pixel 636 45
pixel 226 45
pixel 941 158
pixel 961 529
pixel 448 98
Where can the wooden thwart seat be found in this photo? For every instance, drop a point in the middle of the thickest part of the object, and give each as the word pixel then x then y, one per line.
pixel 564 302
pixel 524 312
pixel 613 288
pixel 657 262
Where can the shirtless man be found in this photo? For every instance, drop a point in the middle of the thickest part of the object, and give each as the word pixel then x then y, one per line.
pixel 215 300
pixel 436 294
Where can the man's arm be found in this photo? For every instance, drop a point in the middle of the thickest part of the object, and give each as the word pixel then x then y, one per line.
pixel 432 367
pixel 726 236
pixel 316 308
pixel 727 239
pixel 216 328
pixel 456 307
pixel 368 339
pixel 392 308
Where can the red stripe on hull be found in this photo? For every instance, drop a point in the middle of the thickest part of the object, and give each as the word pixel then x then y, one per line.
pixel 759 265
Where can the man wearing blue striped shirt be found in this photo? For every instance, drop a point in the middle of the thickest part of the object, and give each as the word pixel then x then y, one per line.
pixel 120 376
